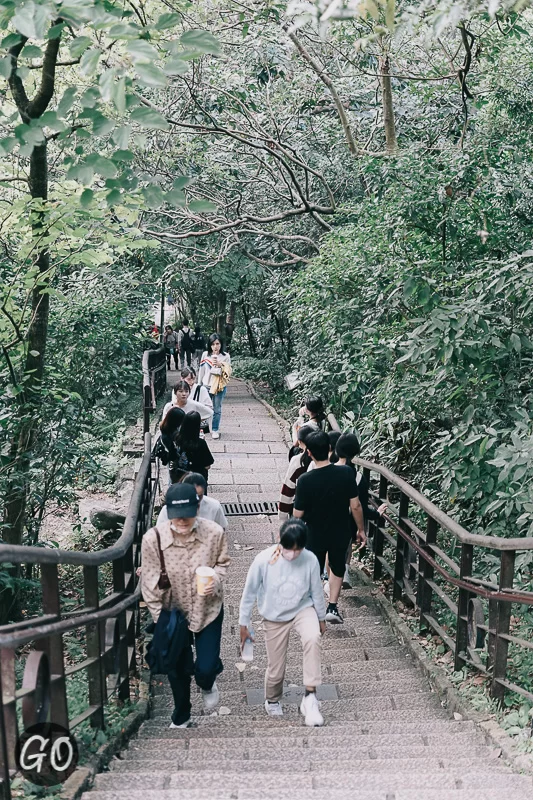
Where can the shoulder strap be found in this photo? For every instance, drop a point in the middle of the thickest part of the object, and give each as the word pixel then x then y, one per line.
pixel 164 581
pixel 197 393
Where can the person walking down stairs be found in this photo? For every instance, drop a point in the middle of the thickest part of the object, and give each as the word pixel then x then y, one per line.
pixel 285 581
pixel 215 371
pixel 171 554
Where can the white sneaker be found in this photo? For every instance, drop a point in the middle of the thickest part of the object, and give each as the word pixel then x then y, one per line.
pixel 186 724
pixel 347 581
pixel 215 435
pixel 326 589
pixel 310 708
pixel 273 709
pixel 211 698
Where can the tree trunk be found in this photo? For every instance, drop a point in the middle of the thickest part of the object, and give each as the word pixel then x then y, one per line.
pixel 249 331
pixel 29 400
pixel 230 324
pixel 391 144
pixel 221 313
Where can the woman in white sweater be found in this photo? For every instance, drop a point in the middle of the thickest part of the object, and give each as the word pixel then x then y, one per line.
pixel 210 369
pixel 285 582
pixel 181 399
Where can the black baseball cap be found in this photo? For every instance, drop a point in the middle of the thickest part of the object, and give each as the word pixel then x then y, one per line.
pixel 181 501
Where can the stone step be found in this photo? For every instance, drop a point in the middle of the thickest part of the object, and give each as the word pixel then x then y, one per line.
pixel 366 708
pixel 355 764
pixel 251 792
pixel 332 672
pixel 398 685
pixel 269 784
pixel 391 746
pixel 258 723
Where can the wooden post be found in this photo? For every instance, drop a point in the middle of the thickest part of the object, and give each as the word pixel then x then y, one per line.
pixel 503 620
pixel 95 673
pixel 378 536
pixel 401 549
pixel 461 637
pixel 424 595
pixel 53 647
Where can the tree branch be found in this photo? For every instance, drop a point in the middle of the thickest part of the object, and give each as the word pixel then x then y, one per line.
pixel 40 102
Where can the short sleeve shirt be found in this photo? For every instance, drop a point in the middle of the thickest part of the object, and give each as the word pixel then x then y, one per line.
pixel 324 496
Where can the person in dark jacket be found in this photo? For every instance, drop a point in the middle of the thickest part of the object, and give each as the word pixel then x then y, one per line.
pixel 347 448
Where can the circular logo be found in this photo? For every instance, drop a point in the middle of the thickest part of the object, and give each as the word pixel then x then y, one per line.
pixel 46 754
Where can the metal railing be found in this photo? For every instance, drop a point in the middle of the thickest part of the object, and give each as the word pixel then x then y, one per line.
pixel 34 670
pixel 436 566
pixel 154 368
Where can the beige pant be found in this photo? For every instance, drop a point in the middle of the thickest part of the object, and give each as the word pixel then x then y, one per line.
pixel 277 641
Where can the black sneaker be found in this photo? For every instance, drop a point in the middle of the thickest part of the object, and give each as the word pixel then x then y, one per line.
pixel 333 615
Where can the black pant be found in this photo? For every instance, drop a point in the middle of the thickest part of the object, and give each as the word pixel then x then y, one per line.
pixel 206 668
pixel 172 351
pixel 335 549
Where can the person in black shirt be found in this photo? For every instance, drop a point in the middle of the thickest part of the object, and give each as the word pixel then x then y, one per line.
pixel 347 448
pixel 194 454
pixel 323 497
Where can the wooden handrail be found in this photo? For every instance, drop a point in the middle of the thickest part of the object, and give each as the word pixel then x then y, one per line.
pixel 440 517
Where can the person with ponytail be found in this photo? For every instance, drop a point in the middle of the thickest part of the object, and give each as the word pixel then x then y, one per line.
pixel 285 581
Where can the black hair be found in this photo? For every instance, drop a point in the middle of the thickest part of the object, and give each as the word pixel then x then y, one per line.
pixel 197 328
pixel 188 437
pixel 333 437
pixel 168 326
pixel 215 338
pixel 185 321
pixel 172 421
pixel 318 445
pixel 181 386
pixel 315 406
pixel 303 434
pixel 188 371
pixel 348 446
pixel 195 479
pixel 293 534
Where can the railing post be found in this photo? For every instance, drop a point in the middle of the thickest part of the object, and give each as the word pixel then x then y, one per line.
pixel 147 407
pixel 53 645
pixel 378 535
pixel 95 672
pixel 8 722
pixel 5 784
pixel 503 620
pixel 119 585
pixel 401 549
pixel 424 595
pixel 461 638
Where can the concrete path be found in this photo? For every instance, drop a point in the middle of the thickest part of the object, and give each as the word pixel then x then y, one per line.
pixel 386 735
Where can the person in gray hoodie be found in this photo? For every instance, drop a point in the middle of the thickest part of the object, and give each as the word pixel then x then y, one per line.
pixel 285 581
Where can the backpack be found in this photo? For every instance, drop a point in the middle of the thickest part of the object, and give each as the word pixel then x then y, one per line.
pixel 199 342
pixel 187 341
pixel 161 452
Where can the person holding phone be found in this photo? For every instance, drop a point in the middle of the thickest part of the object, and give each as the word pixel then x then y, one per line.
pixel 215 364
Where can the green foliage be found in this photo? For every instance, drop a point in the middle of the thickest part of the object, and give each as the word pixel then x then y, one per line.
pixel 262 371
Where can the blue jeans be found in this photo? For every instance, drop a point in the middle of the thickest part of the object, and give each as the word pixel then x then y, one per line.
pixel 217 407
pixel 206 668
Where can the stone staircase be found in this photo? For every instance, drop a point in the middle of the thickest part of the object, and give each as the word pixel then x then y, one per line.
pixel 386 735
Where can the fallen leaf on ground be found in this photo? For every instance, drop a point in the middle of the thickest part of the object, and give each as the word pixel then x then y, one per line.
pixel 237 546
pixel 249 547
pixel 223 711
pixel 240 666
pixel 457 716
